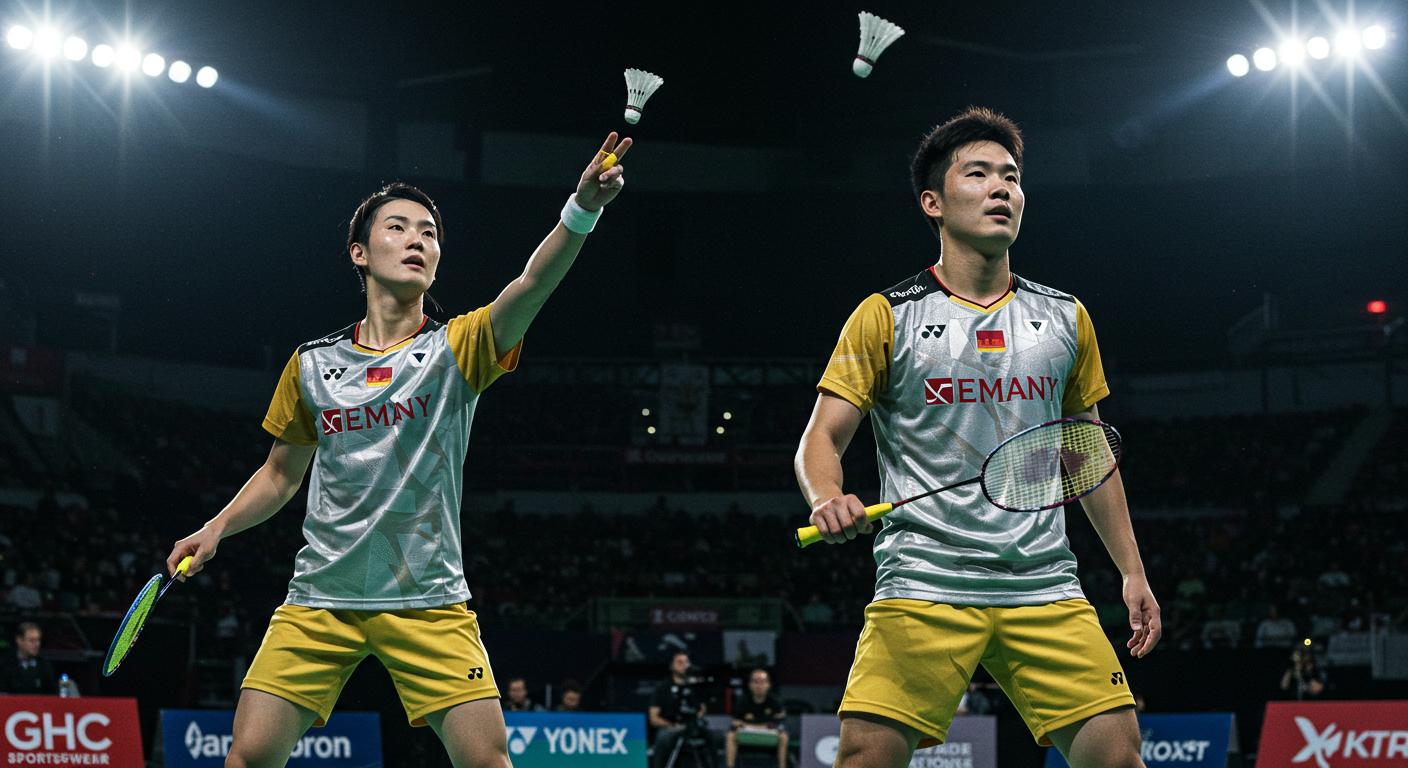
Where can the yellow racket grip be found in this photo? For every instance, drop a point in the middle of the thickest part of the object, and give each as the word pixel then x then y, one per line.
pixel 185 565
pixel 811 535
pixel 607 164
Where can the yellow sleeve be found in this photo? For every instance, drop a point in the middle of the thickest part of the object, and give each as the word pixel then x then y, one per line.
pixel 472 342
pixel 1086 385
pixel 860 367
pixel 288 418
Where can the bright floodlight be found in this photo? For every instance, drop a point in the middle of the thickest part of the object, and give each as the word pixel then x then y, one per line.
pixel 1317 47
pixel 1238 65
pixel 179 72
pixel 1265 59
pixel 207 76
pixel 75 48
pixel 153 65
pixel 128 57
pixel 46 42
pixel 1375 37
pixel 1347 43
pixel 103 55
pixel 1292 52
pixel 19 37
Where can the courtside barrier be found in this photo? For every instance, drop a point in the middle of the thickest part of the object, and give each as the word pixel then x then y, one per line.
pixel 971 743
pixel 576 740
pixel 200 738
pixel 1334 734
pixel 1177 741
pixel 49 730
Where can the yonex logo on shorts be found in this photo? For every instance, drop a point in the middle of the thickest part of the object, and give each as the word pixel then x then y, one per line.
pixel 370 417
pixel 476 673
pixel 942 391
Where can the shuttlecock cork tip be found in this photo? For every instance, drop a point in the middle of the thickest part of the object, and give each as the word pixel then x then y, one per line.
pixel 861 67
pixel 632 116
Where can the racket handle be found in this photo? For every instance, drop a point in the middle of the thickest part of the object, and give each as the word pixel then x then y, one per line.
pixel 811 534
pixel 185 565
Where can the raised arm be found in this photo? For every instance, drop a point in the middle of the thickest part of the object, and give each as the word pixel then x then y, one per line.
pixel 818 464
pixel 1109 513
pixel 521 299
pixel 266 493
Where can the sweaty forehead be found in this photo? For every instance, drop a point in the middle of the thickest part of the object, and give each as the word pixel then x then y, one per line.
pixel 984 151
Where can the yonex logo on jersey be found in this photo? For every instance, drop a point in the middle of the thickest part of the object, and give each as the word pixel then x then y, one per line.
pixel 932 330
pixel 378 377
pixel 370 417
pixel 941 391
pixel 990 341
pixel 333 374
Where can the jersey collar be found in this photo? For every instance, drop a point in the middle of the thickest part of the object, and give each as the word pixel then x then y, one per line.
pixel 356 329
pixel 986 309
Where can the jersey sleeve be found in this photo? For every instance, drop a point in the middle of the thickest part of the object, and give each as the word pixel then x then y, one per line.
pixel 1086 384
pixel 288 418
pixel 859 370
pixel 472 342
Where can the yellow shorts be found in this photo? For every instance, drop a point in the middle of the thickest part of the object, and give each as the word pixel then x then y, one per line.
pixel 915 659
pixel 434 656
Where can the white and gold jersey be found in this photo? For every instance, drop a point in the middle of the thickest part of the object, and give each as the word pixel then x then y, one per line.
pixel 945 380
pixel 392 430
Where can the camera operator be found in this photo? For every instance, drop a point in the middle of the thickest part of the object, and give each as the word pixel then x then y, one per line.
pixel 677 711
pixel 757 720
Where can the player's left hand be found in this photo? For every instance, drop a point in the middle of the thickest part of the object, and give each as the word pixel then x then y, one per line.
pixel 1145 618
pixel 599 187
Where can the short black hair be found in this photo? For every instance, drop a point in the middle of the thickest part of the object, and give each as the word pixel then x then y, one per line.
pixel 24 628
pixel 360 229
pixel 936 152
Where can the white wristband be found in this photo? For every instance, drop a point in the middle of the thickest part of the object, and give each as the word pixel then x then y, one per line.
pixel 578 219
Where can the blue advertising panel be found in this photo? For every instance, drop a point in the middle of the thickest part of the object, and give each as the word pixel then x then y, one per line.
pixel 1202 740
pixel 200 738
pixel 576 740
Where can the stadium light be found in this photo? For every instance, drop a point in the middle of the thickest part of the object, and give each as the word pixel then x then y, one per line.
pixel 103 55
pixel 720 430
pixel 1317 47
pixel 19 37
pixel 1238 65
pixel 1374 37
pixel 1347 43
pixel 128 58
pixel 650 430
pixel 1378 307
pixel 1292 52
pixel 75 48
pixel 645 411
pixel 206 77
pixel 153 65
pixel 179 71
pixel 727 415
pixel 46 43
pixel 1265 59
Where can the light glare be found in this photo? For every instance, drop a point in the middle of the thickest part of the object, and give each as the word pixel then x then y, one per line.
pixel 1292 52
pixel 75 48
pixel 46 42
pixel 1317 47
pixel 1265 59
pixel 1347 43
pixel 1238 65
pixel 179 72
pixel 128 58
pixel 153 65
pixel 19 37
pixel 1375 37
pixel 103 55
pixel 207 76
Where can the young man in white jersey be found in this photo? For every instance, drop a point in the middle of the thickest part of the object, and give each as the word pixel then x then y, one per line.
pixel 948 364
pixel 385 407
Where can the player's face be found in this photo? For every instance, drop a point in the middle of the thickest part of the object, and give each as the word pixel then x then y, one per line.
pixel 403 249
pixel 571 699
pixel 759 684
pixel 680 664
pixel 982 198
pixel 518 691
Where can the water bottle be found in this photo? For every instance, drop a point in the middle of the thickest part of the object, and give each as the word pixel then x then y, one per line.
pixel 67 688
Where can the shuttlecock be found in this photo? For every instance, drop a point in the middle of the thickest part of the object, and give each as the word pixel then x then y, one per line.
pixel 876 34
pixel 639 85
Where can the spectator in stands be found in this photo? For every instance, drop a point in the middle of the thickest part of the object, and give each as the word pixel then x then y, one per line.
pixel 517 699
pixel 23 672
pixel 757 720
pixel 1274 631
pixel 571 696
pixel 24 596
pixel 677 703
pixel 1307 677
pixel 1334 578
pixel 816 613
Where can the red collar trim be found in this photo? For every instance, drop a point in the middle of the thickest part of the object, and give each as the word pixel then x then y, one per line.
pixel 1010 283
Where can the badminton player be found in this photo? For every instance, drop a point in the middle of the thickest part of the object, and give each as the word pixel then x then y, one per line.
pixel 947 364
pixel 382 410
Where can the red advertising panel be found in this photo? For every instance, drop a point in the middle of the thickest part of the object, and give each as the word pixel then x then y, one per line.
pixel 1334 734
pixel 48 730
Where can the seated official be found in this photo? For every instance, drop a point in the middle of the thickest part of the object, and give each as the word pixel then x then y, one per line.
pixel 757 721
pixel 21 670
pixel 669 717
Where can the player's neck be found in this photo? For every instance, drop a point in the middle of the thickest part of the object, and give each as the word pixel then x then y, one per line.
pixel 390 319
pixel 973 275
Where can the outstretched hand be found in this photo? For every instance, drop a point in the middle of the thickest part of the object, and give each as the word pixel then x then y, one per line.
pixel 599 187
pixel 1145 617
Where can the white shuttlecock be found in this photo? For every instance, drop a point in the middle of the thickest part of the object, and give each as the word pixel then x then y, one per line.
pixel 876 34
pixel 639 85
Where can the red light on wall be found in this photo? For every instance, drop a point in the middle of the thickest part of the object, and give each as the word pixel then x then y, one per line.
pixel 1378 307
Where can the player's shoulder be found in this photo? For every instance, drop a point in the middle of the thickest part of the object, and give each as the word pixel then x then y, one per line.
pixel 913 289
pixel 347 335
pixel 1037 289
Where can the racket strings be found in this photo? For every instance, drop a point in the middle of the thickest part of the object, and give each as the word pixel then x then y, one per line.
pixel 132 625
pixel 1046 467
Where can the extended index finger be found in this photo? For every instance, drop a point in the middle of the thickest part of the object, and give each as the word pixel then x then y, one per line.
pixel 607 145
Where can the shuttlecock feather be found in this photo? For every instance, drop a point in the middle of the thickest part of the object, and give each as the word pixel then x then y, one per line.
pixel 876 34
pixel 639 86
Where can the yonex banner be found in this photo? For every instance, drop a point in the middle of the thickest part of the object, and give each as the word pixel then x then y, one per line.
pixel 48 730
pixel 575 740
pixel 1334 734
pixel 197 738
pixel 971 743
pixel 1179 740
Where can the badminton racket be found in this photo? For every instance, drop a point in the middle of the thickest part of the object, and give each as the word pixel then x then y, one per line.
pixel 131 625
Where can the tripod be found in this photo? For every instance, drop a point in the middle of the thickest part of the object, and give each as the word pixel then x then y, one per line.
pixel 696 738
